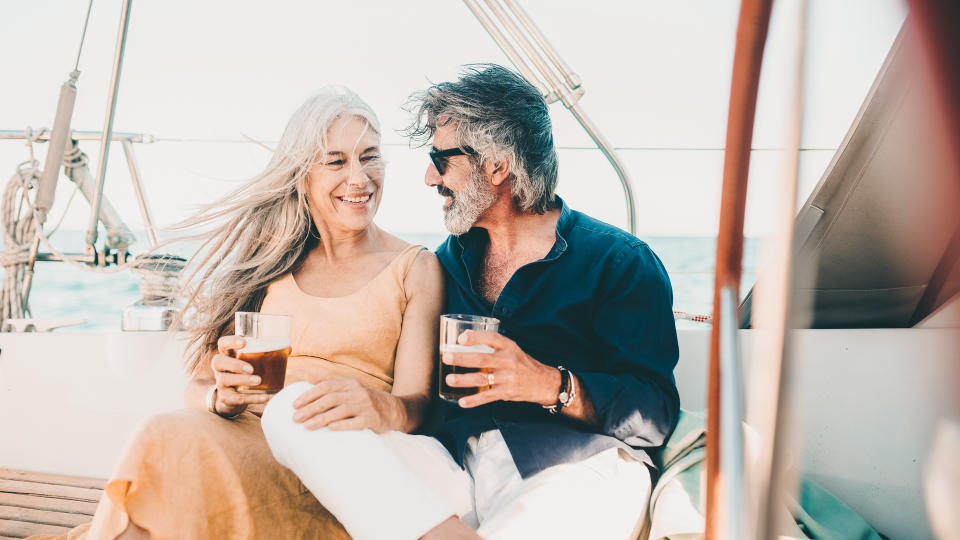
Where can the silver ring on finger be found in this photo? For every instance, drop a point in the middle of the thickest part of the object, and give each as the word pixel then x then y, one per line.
pixel 491 380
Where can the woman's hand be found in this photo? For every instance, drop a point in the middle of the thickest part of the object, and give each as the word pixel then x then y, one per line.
pixel 342 403
pixel 515 375
pixel 231 373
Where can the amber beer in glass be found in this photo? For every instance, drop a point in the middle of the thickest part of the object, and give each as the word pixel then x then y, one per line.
pixel 266 349
pixel 451 326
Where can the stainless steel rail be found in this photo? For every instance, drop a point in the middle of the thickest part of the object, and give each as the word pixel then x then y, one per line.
pixel 58 137
pixel 108 127
pixel 732 490
pixel 573 80
pixel 552 77
pixel 44 135
pixel 141 196
pixel 119 236
pixel 508 49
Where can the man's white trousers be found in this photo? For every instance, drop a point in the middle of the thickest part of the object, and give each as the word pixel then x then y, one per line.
pixel 399 486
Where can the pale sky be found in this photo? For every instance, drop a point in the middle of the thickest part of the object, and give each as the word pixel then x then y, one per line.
pixel 198 75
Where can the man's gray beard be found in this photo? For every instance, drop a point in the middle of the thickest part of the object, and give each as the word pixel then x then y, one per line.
pixel 469 204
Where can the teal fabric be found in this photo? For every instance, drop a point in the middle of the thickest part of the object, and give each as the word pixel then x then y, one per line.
pixel 817 513
pixel 821 515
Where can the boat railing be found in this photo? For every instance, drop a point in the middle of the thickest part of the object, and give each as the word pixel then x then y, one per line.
pixel 525 44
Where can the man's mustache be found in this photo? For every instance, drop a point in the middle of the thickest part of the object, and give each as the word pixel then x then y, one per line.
pixel 444 191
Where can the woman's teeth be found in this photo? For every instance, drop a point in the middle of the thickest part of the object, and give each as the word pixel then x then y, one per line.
pixel 356 200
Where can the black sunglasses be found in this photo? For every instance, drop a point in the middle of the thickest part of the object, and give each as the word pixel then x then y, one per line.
pixel 439 157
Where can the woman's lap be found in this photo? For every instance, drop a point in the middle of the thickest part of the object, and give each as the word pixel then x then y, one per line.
pixel 192 474
pixel 409 482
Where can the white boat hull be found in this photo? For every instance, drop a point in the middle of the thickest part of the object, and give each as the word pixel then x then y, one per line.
pixel 868 401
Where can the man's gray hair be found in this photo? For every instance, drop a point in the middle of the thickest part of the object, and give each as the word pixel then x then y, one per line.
pixel 500 115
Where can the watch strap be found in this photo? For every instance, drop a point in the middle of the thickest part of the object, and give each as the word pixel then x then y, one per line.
pixel 564 396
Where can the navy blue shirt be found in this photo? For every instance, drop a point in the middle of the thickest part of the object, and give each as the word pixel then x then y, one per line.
pixel 599 304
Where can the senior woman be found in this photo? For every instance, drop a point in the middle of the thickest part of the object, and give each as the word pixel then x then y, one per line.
pixel 299 240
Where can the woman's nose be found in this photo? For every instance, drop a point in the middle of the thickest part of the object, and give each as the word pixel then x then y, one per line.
pixel 357 177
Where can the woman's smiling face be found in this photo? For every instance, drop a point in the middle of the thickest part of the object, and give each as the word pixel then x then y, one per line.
pixel 345 185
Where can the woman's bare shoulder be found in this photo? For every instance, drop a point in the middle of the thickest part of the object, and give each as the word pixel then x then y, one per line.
pixel 425 275
pixel 425 269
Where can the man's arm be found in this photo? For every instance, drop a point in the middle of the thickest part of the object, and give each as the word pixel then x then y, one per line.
pixel 632 391
pixel 629 392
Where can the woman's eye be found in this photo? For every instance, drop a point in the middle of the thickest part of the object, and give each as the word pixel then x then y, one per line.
pixel 373 157
pixel 334 163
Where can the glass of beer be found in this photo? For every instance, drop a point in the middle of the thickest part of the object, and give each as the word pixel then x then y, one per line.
pixel 451 326
pixel 267 347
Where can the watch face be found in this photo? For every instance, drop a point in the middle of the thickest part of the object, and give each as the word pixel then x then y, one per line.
pixel 564 397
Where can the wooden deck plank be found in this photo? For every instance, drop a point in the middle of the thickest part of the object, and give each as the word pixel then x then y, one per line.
pixel 22 529
pixel 52 504
pixel 42 516
pixel 47 478
pixel 41 503
pixel 50 490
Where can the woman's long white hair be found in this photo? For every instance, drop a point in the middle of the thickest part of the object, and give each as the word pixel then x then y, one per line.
pixel 262 230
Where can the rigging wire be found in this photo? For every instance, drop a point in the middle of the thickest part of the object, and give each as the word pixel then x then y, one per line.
pixel 83 36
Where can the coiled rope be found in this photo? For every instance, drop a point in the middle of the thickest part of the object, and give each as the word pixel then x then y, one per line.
pixel 19 234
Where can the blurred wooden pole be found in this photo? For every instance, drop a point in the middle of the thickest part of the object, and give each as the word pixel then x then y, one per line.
pixel 773 319
pixel 748 57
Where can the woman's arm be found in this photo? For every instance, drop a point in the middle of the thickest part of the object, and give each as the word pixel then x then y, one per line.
pixel 417 348
pixel 199 384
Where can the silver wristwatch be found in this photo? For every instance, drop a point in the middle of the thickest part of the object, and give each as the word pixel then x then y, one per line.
pixel 568 391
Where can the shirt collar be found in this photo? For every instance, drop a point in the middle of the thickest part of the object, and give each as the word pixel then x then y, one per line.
pixel 476 237
pixel 473 241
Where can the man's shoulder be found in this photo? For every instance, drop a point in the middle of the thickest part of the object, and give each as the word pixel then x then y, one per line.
pixel 587 232
pixel 603 244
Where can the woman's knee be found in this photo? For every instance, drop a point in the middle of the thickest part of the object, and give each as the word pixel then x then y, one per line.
pixel 287 438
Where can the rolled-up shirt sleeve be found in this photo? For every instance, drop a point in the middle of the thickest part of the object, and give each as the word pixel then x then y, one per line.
pixel 633 389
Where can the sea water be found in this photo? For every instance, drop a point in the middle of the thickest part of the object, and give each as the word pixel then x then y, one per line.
pixel 60 290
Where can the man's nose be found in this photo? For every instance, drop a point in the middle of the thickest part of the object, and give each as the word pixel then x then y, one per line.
pixel 432 176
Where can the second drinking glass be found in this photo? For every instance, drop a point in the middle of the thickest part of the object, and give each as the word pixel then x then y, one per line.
pixel 451 326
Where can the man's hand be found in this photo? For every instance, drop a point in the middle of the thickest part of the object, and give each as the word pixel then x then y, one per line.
pixel 516 375
pixel 342 403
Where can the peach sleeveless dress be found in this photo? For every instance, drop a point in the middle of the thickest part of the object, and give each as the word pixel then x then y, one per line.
pixel 190 474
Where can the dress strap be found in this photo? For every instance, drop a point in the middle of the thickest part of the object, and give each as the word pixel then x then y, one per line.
pixel 404 261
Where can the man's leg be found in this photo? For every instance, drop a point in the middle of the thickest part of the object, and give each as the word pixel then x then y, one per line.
pixel 603 497
pixel 393 485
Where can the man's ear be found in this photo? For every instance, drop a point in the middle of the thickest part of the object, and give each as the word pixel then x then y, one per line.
pixel 500 171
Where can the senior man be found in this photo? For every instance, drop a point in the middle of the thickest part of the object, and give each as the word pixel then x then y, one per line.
pixel 582 369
